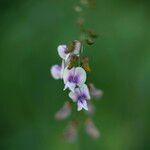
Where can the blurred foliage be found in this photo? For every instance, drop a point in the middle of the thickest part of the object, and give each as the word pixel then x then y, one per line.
pixel 120 60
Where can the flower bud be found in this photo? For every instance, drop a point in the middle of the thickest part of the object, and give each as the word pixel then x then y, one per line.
pixel 95 93
pixel 70 133
pixel 91 129
pixel 64 112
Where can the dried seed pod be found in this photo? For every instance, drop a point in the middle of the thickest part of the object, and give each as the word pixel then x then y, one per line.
pixel 73 61
pixel 64 112
pixel 70 47
pixel 89 41
pixel 80 21
pixel 85 64
pixel 92 34
pixel 74 47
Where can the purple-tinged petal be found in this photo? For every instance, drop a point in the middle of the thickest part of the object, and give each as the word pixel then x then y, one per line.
pixel 69 85
pixel 56 71
pixel 62 51
pixel 67 74
pixel 84 89
pixel 81 75
pixel 82 104
pixel 74 95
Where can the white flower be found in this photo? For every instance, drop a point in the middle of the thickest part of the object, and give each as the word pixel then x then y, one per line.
pixel 80 95
pixel 56 71
pixel 62 50
pixel 74 77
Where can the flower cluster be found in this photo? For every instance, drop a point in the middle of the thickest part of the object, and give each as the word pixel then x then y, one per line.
pixel 73 72
pixel 74 77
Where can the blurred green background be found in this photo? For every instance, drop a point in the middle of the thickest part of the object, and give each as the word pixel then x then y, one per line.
pixel 31 30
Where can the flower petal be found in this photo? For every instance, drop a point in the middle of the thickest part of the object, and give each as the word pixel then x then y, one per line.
pixel 79 106
pixel 80 72
pixel 56 71
pixel 73 96
pixel 82 104
pixel 61 51
pixel 71 86
pixel 67 73
pixel 84 89
pixel 62 68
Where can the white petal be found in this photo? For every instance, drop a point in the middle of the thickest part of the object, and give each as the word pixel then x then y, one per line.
pixel 67 58
pixel 79 106
pixel 71 86
pixel 80 72
pixel 73 96
pixel 62 68
pixel 61 51
pixel 84 89
pixel 84 105
pixel 56 71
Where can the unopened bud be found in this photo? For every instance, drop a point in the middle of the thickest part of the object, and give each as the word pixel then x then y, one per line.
pixel 91 129
pixel 64 112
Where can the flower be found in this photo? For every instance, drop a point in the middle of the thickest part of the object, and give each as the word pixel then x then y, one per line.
pixel 80 95
pixel 56 71
pixel 64 51
pixel 64 112
pixel 95 93
pixel 91 129
pixel 74 77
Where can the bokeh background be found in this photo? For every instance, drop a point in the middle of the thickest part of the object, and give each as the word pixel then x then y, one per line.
pixel 31 30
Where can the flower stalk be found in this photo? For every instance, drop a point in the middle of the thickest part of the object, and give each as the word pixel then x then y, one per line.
pixel 73 72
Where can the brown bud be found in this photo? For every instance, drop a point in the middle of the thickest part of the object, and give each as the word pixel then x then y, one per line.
pixel 73 61
pixel 92 34
pixel 89 41
pixel 70 47
pixel 78 8
pixel 85 64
